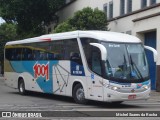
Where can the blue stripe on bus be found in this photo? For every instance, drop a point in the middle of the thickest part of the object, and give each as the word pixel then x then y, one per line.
pixel 27 66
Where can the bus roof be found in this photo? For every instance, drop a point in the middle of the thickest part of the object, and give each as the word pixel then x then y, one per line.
pixel 100 35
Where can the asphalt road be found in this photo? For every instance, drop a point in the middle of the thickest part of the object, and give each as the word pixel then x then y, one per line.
pixel 61 107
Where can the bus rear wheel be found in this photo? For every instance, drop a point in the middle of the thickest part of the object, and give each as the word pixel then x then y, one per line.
pixel 21 87
pixel 78 94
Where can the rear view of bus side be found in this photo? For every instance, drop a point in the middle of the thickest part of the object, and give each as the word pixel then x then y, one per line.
pixel 94 65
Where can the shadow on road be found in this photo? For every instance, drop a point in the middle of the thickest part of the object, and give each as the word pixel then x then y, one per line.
pixel 111 105
pixel 47 96
pixel 96 104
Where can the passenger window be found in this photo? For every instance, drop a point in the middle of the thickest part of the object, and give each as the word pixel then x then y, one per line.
pixel 75 57
pixel 13 54
pixel 57 48
pixel 27 54
pixel 72 52
pixel 8 53
pixel 36 55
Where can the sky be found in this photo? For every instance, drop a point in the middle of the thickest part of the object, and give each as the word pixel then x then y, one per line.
pixel 1 20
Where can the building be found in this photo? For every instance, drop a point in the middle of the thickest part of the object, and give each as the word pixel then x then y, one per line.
pixel 140 18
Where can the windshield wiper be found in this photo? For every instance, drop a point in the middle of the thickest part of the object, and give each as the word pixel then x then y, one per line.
pixel 136 68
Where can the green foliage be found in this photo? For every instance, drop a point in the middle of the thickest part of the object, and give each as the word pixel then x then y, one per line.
pixel 7 33
pixel 86 19
pixel 64 26
pixel 30 15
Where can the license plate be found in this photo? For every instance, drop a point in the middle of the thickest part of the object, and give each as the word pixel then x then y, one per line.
pixel 132 97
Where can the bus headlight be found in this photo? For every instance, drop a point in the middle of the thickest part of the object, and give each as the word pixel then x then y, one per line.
pixel 115 88
pixel 146 87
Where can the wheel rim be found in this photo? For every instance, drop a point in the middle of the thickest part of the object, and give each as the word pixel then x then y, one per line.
pixel 21 87
pixel 80 94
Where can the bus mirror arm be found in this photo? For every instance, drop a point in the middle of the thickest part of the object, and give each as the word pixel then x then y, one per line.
pixel 155 53
pixel 102 49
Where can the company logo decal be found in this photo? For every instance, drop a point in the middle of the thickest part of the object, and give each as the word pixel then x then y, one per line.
pixel 77 69
pixel 92 76
pixel 41 70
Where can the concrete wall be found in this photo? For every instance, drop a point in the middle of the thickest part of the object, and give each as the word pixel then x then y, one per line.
pixel 118 25
pixel 123 24
pixel 69 10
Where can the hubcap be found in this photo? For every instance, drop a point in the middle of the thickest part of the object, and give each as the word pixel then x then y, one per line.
pixel 21 87
pixel 80 94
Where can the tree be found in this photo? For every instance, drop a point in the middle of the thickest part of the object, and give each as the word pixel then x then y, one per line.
pixel 64 27
pixel 7 33
pixel 86 19
pixel 30 15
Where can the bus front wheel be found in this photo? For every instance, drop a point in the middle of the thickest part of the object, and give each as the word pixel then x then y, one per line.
pixel 21 87
pixel 78 94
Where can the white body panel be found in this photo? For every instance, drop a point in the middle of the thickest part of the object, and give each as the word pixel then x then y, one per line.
pixel 62 80
pixel 101 35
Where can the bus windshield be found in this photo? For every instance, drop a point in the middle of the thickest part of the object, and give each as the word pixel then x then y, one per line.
pixel 126 62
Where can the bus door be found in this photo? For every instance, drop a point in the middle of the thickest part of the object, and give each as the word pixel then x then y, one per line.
pixel 95 88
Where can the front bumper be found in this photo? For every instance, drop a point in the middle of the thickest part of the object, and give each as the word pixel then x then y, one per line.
pixel 112 96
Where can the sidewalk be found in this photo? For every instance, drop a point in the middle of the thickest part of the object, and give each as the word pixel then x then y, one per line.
pixel 1 75
pixel 155 96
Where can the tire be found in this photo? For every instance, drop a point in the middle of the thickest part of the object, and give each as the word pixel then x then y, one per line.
pixel 78 94
pixel 21 87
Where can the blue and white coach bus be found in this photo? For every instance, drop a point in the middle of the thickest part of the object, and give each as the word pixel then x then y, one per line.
pixel 86 65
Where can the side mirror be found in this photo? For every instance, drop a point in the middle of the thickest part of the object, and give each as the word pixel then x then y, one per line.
pixel 102 49
pixel 155 53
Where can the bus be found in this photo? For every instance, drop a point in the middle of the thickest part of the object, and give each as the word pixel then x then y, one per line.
pixel 86 65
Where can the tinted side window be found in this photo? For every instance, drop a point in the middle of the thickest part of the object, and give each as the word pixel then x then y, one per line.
pixel 18 53
pixel 8 54
pixel 37 51
pixel 13 54
pixel 27 54
pixel 57 47
pixel 54 50
pixel 66 50
pixel 72 51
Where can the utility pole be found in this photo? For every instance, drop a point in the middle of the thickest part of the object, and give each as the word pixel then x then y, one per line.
pixel 2 43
